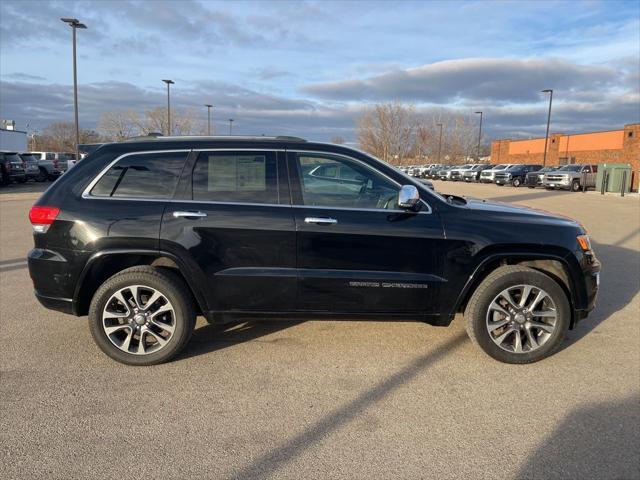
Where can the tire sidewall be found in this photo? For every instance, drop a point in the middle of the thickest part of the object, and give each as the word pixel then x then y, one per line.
pixel 537 279
pixel 575 186
pixel 184 317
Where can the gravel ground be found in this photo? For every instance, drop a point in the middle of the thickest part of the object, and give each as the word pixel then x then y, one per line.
pixel 333 399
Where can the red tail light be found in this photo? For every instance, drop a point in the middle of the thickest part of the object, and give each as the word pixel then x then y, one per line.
pixel 42 217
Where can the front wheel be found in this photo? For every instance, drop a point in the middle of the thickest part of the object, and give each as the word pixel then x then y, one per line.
pixel 518 315
pixel 575 186
pixel 142 316
pixel 516 182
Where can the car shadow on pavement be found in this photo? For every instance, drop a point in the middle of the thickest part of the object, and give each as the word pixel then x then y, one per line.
pixel 270 462
pixel 601 440
pixel 619 284
pixel 531 195
pixel 210 338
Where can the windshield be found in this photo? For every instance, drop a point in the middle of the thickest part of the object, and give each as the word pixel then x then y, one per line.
pixel 515 167
pixel 570 168
pixel 546 169
pixel 502 166
pixel 28 158
pixel 13 157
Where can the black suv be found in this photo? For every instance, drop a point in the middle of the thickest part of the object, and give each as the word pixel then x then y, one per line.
pixel 143 236
pixel 515 175
pixel 12 168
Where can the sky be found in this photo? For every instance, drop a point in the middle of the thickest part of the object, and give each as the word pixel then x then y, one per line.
pixel 310 68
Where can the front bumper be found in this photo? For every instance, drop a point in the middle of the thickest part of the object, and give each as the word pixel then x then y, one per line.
pixel 502 180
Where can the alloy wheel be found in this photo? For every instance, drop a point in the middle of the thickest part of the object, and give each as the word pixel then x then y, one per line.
pixel 521 319
pixel 139 319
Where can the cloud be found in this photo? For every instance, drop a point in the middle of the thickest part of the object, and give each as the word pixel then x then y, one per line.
pixel 472 80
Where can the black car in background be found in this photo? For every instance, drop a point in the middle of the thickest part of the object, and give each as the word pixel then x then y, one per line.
pixel 515 174
pixel 12 168
pixel 143 236
pixel 534 179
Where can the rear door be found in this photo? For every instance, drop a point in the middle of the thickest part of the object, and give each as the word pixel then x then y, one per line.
pixel 233 223
pixel 357 252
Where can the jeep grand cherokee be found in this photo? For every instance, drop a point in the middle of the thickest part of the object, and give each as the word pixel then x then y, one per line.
pixel 143 236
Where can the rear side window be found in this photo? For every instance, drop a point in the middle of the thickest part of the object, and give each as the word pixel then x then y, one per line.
pixel 243 177
pixel 153 175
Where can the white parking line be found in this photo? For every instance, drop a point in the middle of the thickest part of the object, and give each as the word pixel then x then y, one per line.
pixel 16 264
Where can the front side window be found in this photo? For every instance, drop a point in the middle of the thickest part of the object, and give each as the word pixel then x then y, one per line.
pixel 243 177
pixel 152 175
pixel 332 181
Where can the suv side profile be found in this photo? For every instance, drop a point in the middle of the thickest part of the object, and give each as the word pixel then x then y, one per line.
pixel 515 175
pixel 143 236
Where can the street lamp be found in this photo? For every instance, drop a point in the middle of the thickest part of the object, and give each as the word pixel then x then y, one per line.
pixel 546 137
pixel 439 141
pixel 168 82
pixel 208 118
pixel 230 125
pixel 74 23
pixel 479 137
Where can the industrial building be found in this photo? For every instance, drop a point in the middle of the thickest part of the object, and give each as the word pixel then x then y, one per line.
pixel 613 146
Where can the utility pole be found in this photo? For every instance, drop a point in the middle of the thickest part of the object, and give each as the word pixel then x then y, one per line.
pixel 74 23
pixel 230 126
pixel 479 137
pixel 208 118
pixel 168 82
pixel 546 137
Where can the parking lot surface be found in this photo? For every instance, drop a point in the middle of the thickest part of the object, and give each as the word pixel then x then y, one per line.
pixel 332 399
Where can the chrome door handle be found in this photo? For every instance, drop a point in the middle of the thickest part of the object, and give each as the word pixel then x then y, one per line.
pixel 189 214
pixel 321 220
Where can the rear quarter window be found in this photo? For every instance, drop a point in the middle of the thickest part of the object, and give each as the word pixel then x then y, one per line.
pixel 149 175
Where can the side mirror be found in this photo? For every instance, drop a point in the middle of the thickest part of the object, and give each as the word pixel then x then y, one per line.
pixel 408 197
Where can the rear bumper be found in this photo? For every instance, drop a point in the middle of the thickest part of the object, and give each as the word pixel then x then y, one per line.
pixel 60 304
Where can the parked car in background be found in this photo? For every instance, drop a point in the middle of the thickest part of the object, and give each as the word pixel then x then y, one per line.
pixel 456 172
pixel 256 230
pixel 444 173
pixel 50 165
pixel 433 170
pixel 571 177
pixel 515 174
pixel 473 174
pixel 535 179
pixel 488 176
pixel 11 168
pixel 30 166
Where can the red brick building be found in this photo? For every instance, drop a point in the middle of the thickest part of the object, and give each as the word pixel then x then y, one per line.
pixel 613 146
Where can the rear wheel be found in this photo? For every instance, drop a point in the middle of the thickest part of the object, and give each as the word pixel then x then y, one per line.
pixel 518 315
pixel 142 316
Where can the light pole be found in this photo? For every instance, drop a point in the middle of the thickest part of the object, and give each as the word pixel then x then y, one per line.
pixel 208 118
pixel 439 141
pixel 230 125
pixel 546 137
pixel 168 82
pixel 74 23
pixel 479 137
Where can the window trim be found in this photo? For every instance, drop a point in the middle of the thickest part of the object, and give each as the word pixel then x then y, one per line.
pixel 367 166
pixel 86 193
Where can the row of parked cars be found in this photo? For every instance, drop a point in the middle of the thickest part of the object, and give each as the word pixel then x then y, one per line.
pixel 573 177
pixel 38 166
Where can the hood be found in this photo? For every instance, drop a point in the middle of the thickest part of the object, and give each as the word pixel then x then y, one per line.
pixel 508 209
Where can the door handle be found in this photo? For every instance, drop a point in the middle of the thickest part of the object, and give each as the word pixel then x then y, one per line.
pixel 189 214
pixel 321 220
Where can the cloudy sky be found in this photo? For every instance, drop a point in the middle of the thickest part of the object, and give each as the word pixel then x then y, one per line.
pixel 309 68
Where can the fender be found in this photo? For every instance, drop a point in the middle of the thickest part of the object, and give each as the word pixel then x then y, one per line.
pixel 576 288
pixel 186 273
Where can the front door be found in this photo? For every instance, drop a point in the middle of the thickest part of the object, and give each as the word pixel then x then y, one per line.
pixel 235 225
pixel 357 252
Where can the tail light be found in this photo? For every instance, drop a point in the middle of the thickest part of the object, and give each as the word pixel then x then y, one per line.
pixel 42 217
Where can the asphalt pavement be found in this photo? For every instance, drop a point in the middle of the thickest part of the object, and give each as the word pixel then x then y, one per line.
pixel 327 399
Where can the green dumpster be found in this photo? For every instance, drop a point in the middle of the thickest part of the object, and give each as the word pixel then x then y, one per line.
pixel 617 173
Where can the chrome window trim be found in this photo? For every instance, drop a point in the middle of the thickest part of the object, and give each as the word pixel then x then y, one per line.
pixel 86 193
pixel 369 167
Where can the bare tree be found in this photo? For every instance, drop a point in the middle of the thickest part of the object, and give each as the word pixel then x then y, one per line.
pixel 338 140
pixel 119 125
pixel 386 131
pixel 182 122
pixel 61 137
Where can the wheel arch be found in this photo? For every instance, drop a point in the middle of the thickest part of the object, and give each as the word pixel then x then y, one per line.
pixel 104 264
pixel 556 266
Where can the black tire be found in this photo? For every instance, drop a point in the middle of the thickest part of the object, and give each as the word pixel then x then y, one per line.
pixel 171 286
pixel 42 175
pixel 516 182
pixel 500 279
pixel 575 186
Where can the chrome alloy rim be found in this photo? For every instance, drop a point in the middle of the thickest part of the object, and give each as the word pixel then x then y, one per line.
pixel 521 318
pixel 139 319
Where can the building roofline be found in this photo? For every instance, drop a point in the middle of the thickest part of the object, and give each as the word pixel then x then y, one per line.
pixel 566 134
